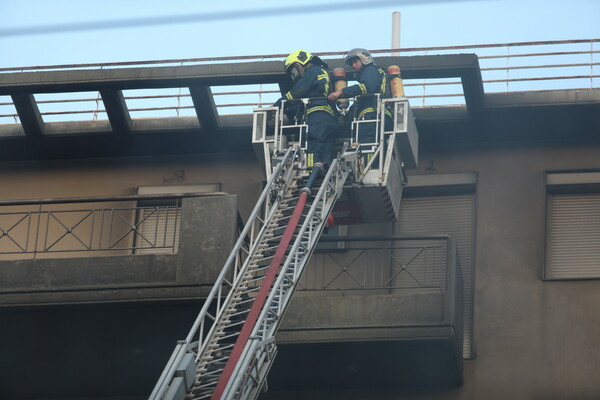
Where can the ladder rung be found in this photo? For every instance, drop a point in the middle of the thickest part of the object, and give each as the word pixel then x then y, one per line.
pixel 236 324
pixel 246 301
pixel 254 279
pixel 204 386
pixel 207 396
pixel 217 360
pixel 239 313
pixel 221 348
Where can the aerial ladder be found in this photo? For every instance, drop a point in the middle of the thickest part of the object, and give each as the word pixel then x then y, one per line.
pixel 231 345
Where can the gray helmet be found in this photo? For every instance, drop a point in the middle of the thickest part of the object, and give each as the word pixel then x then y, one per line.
pixel 363 54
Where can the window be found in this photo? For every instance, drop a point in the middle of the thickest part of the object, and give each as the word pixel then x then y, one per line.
pixel 572 225
pixel 159 219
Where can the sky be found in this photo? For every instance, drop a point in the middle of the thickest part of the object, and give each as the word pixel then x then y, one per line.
pixel 43 32
pixel 37 33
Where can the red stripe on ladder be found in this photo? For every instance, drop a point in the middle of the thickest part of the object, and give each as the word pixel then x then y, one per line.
pixel 260 300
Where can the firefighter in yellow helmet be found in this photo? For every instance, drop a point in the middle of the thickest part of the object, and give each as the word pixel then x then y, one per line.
pixel 311 80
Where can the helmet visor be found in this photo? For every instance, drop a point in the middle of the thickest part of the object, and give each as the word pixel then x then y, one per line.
pixel 350 60
pixel 295 72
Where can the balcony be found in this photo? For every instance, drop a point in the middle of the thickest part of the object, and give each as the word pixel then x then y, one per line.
pixel 386 310
pixel 113 249
pixel 374 313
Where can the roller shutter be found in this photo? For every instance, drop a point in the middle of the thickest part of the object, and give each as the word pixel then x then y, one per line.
pixel 573 236
pixel 159 231
pixel 446 215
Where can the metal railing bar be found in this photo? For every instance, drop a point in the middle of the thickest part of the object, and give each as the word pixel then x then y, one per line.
pixel 256 92
pixel 382 288
pixel 92 228
pixel 484 46
pixel 87 251
pixel 542 78
pixel 383 238
pixel 536 91
pixel 282 56
pixel 28 232
pixel 158 96
pixel 553 53
pixel 102 227
pixel 247 92
pixel 102 199
pixel 179 204
pixel 457 82
pixel 147 109
pixel 244 104
pixel 540 66
pixel 37 236
pixel 152 97
pixel 46 233
pixel 155 226
pixel 150 109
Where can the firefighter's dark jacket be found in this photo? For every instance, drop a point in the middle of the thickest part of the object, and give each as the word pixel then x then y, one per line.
pixel 314 84
pixel 371 79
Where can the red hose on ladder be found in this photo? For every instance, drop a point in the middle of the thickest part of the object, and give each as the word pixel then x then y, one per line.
pixel 263 292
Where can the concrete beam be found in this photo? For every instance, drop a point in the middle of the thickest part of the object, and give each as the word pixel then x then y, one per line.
pixel 204 104
pixel 116 109
pixel 543 98
pixel 29 114
pixel 463 66
pixel 142 78
pixel 416 67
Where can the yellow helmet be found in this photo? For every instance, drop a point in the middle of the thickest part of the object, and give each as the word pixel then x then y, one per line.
pixel 299 56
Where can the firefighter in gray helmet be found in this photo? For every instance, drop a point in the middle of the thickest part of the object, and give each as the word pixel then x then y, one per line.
pixel 363 54
pixel 371 79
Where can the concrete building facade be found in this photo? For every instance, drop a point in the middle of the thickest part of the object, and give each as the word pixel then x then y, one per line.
pixel 485 288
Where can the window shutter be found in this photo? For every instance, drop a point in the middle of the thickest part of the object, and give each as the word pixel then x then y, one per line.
pixel 447 215
pixel 159 233
pixel 573 236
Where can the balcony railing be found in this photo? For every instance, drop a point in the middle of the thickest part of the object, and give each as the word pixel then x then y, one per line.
pixel 505 67
pixel 90 226
pixel 380 265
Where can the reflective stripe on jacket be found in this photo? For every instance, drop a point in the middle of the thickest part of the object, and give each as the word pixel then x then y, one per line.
pixel 371 79
pixel 315 83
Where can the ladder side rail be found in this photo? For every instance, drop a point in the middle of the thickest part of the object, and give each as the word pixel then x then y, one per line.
pixel 172 364
pixel 234 284
pixel 256 220
pixel 265 330
pixel 300 124
pixel 245 385
pixel 260 123
pixel 308 236
pixel 231 265
pixel 377 148
pixel 278 190
pixel 243 339
pixel 381 148
pixel 378 152
pixel 355 123
pixel 283 288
